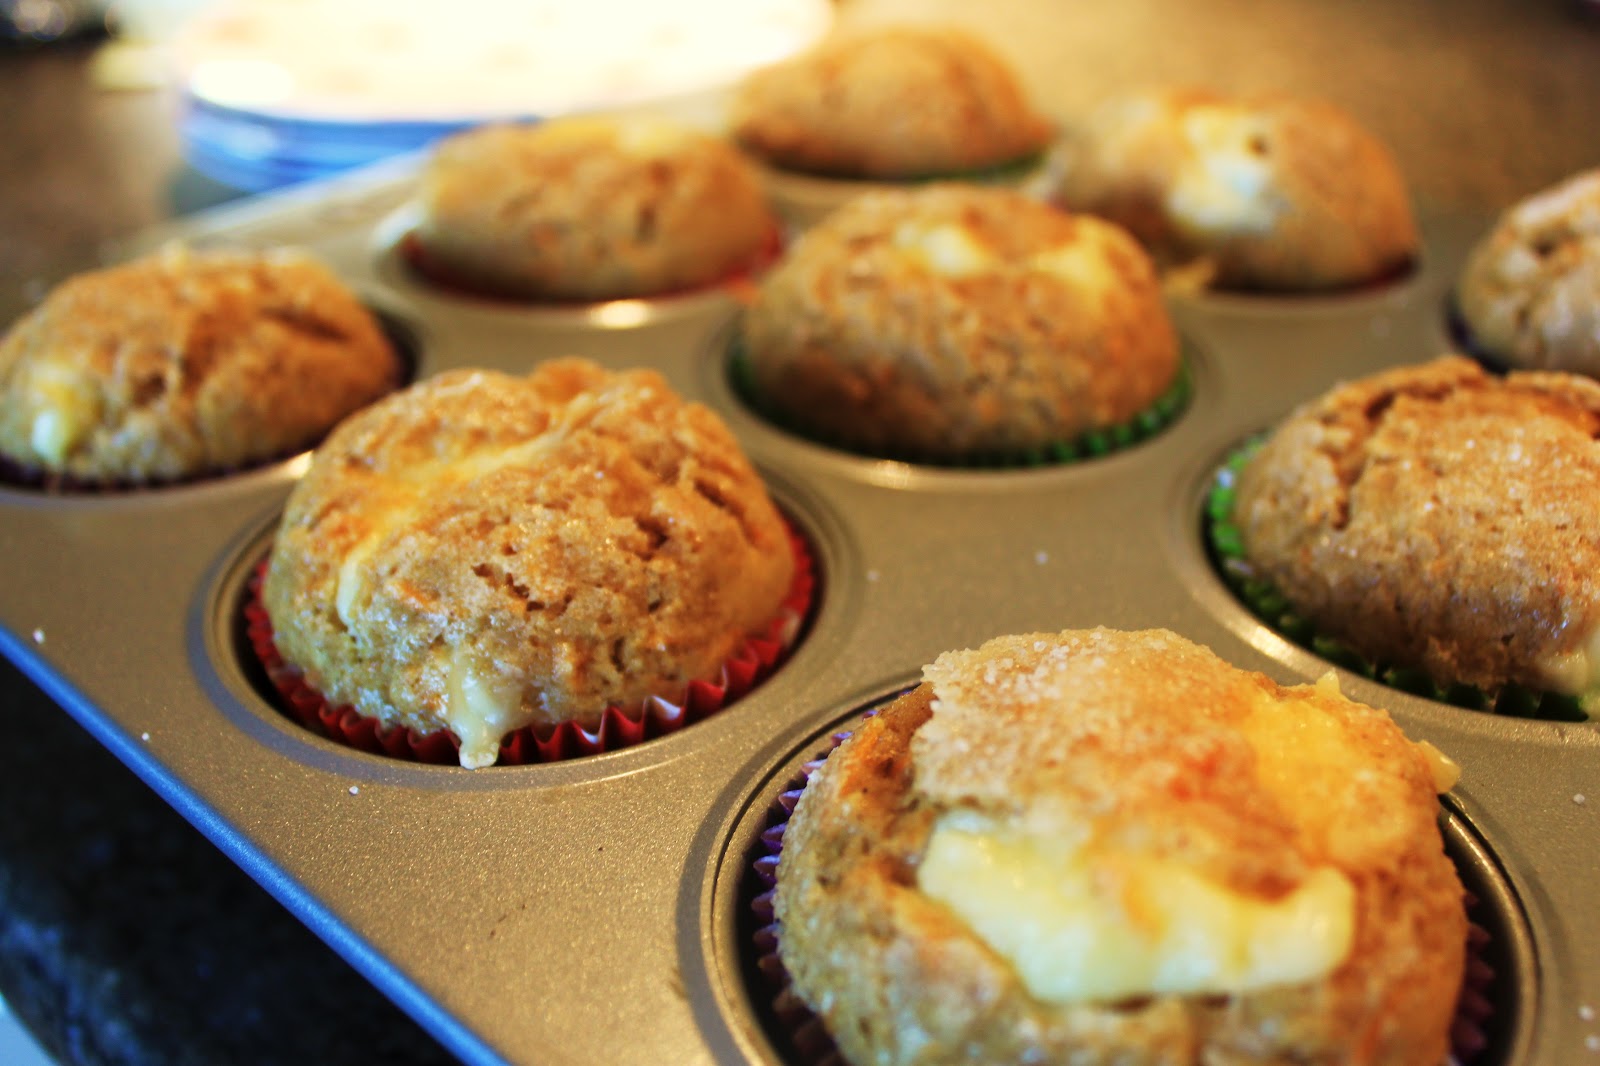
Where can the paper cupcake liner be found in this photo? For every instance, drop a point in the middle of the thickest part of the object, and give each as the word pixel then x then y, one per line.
pixel 1092 445
pixel 655 716
pixel 739 282
pixel 1225 545
pixel 810 1044
pixel 1005 172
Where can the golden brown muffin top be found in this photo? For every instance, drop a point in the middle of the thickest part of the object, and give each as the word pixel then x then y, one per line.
pixel 1530 291
pixel 1111 762
pixel 1256 192
pixel 1149 742
pixel 954 319
pixel 483 552
pixel 1437 516
pixel 893 102
pixel 589 208
pixel 183 363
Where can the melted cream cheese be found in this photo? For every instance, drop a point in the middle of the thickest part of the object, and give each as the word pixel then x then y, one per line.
pixel 1224 187
pixel 947 249
pixel 482 705
pixel 69 409
pixel 950 250
pixel 1575 672
pixel 646 137
pixel 1079 925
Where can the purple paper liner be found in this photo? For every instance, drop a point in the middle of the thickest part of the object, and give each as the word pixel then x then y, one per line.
pixel 806 1041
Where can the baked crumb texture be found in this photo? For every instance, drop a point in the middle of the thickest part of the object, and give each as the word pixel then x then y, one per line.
pixel 484 553
pixel 1529 295
pixel 895 102
pixel 1441 518
pixel 1255 193
pixel 954 321
pixel 186 363
pixel 1121 750
pixel 589 209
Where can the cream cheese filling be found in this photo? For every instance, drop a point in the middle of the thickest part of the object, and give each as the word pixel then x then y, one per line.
pixel 950 250
pixel 69 409
pixel 1576 672
pixel 1081 925
pixel 482 705
pixel 1224 187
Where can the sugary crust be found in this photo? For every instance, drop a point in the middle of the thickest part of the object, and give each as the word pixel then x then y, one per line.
pixel 895 102
pixel 1438 517
pixel 1258 192
pixel 858 339
pixel 1132 736
pixel 1530 292
pixel 184 363
pixel 582 538
pixel 590 209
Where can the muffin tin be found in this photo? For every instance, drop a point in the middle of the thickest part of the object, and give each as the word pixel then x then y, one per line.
pixel 598 910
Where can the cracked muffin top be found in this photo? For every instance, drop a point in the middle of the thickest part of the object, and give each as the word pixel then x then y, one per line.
pixel 483 552
pixel 1102 846
pixel 1441 518
pixel 184 363
pixel 1530 292
pixel 589 209
pixel 893 102
pixel 952 320
pixel 1266 192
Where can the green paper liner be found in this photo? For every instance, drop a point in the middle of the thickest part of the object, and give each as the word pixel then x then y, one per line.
pixel 1005 172
pixel 1225 547
pixel 1092 445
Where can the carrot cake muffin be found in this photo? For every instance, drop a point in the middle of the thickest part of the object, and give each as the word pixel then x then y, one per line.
pixel 1439 518
pixel 1259 192
pixel 589 209
pixel 184 363
pixel 481 553
pixel 1099 846
pixel 954 320
pixel 890 103
pixel 1530 293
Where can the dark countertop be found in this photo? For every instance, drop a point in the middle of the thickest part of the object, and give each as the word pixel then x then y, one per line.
pixel 125 937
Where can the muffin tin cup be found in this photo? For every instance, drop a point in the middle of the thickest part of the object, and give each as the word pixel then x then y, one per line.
pixel 1491 1024
pixel 588 910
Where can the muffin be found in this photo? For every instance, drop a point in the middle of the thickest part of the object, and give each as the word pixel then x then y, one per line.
pixel 1098 846
pixel 483 553
pixel 1257 192
pixel 1440 519
pixel 185 363
pixel 892 103
pixel 1529 296
pixel 952 320
pixel 589 209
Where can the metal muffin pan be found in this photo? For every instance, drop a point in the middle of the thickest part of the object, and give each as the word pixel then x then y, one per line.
pixel 592 911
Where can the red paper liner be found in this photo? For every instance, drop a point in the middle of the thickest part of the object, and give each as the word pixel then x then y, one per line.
pixel 741 282
pixel 750 664
pixel 811 1045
